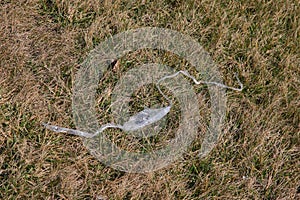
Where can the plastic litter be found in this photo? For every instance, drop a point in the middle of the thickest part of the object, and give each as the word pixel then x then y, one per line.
pixel 143 118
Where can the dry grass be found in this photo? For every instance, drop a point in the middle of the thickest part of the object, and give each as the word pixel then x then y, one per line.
pixel 42 43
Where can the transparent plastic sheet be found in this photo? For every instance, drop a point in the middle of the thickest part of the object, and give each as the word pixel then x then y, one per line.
pixel 143 118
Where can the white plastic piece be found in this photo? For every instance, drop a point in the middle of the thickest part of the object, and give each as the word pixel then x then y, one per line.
pixel 59 129
pixel 143 118
pixel 140 120
pixel 199 82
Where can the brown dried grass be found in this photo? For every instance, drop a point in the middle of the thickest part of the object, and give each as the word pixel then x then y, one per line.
pixel 42 44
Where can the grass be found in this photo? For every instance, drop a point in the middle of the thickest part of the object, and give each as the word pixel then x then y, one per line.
pixel 43 42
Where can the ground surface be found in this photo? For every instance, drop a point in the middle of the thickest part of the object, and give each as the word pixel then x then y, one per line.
pixel 42 43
